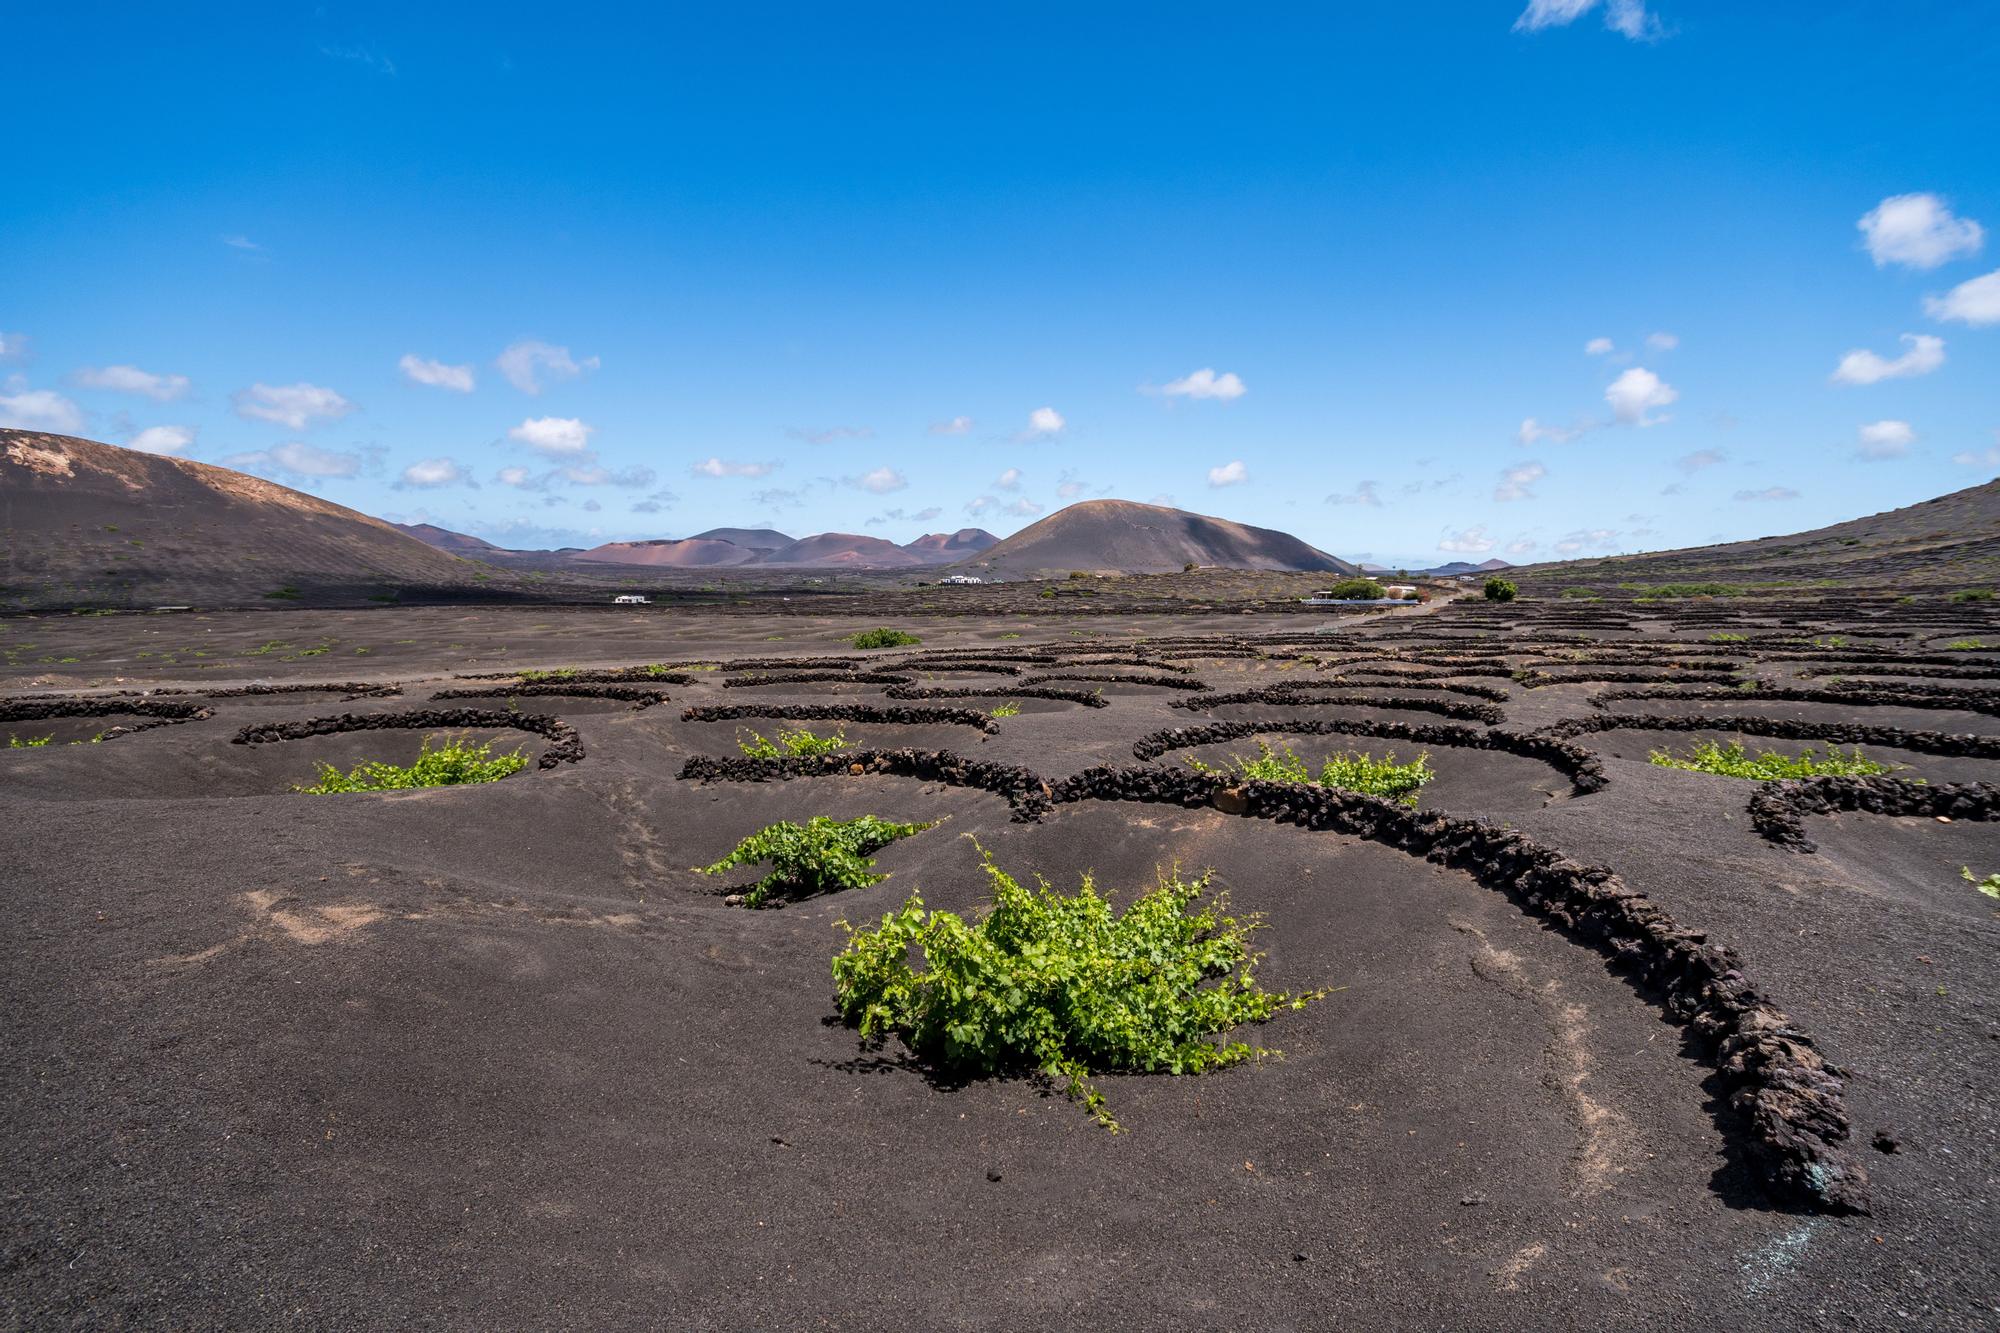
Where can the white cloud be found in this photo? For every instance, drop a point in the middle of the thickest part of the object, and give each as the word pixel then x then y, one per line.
pixel 432 473
pixel 1699 459
pixel 1598 347
pixel 527 363
pixel 1045 421
pixel 717 467
pixel 829 434
pixel 1768 493
pixel 881 481
pixel 1362 494
pixel 162 439
pixel 1975 302
pixel 1010 480
pixel 515 476
pixel 1885 439
pixel 292 405
pixel 1532 431
pixel 1516 482
pixel 1522 546
pixel 1232 473
pixel 1986 458
pixel 241 243
pixel 1637 392
pixel 1205 383
pixel 1629 18
pixel 1925 353
pixel 979 504
pixel 131 379
pixel 1663 341
pixel 1021 507
pixel 1918 231
pixel 13 346
pixel 1588 539
pixel 301 459
pixel 438 375
pixel 955 426
pixel 588 472
pixel 1472 541
pixel 553 435
pixel 40 409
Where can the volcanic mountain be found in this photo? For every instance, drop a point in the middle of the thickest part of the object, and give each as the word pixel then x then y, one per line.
pixel 1121 536
pixel 1952 540
pixel 690 553
pixel 942 548
pixel 444 539
pixel 750 539
pixel 842 550
pixel 88 524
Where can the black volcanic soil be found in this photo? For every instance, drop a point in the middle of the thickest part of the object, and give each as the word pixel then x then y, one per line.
pixel 496 1057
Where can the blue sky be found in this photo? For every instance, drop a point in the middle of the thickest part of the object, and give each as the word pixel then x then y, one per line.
pixel 564 276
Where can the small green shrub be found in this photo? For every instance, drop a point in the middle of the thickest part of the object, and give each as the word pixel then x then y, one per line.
pixel 1500 590
pixel 1579 594
pixel 1972 595
pixel 447 761
pixel 1733 761
pixel 1724 636
pixel 792 743
pixel 1357 590
pixel 1990 886
pixel 552 675
pixel 1362 773
pixel 32 743
pixel 1967 645
pixel 1006 710
pixel 882 638
pixel 284 594
pixel 1061 986
pixel 821 855
pixel 1046 592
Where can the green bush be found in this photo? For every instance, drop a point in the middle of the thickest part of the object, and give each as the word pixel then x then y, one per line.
pixel 1500 590
pixel 32 743
pixel 454 761
pixel 882 638
pixel 1061 986
pixel 1349 772
pixel 792 743
pixel 1357 590
pixel 821 855
pixel 1990 886
pixel 1733 761
pixel 1972 595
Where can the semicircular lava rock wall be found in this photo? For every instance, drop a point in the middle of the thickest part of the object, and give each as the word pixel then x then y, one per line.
pixel 565 746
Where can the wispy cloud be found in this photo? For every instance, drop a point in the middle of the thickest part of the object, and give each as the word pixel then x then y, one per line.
pixel 1699 459
pixel 829 434
pixel 1205 384
pixel 530 363
pixel 880 481
pixel 1470 541
pixel 1364 493
pixel 1517 482
pixel 955 426
pixel 1924 353
pixel 131 379
pixel 720 467
pixel 290 405
pixel 365 56
pixel 1768 493
pixel 40 409
pixel 300 460
pixel 422 370
pixel 1629 18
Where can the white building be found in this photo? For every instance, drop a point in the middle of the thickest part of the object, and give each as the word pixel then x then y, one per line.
pixel 1403 590
pixel 630 599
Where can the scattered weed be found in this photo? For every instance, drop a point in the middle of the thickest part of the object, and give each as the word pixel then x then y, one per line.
pixel 284 594
pixel 1967 645
pixel 1061 986
pixel 32 743
pixel 1990 886
pixel 821 855
pixel 1972 595
pixel 1724 636
pixel 1668 591
pixel 1006 710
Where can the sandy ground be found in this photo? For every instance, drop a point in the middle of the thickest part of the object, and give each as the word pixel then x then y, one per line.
pixel 496 1057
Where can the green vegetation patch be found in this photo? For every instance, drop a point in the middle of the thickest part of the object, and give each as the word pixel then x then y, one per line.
pixel 792 743
pixel 1990 886
pixel 1500 590
pixel 1972 595
pixel 1668 591
pixel 1579 594
pixel 32 743
pixel 1724 636
pixel 447 761
pixel 1733 761
pixel 882 638
pixel 284 594
pixel 1357 590
pixel 1362 773
pixel 821 855
pixel 1006 710
pixel 1061 986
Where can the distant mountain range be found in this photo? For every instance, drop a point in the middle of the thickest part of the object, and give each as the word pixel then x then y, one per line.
pixel 721 548
pixel 1442 571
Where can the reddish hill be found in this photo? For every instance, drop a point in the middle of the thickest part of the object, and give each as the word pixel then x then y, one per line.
pixel 690 553
pixel 444 539
pixel 755 539
pixel 843 550
pixel 88 524
pixel 1119 535
pixel 941 548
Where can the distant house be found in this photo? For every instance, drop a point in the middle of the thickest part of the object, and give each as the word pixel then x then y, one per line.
pixel 1402 590
pixel 631 599
pixel 961 578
